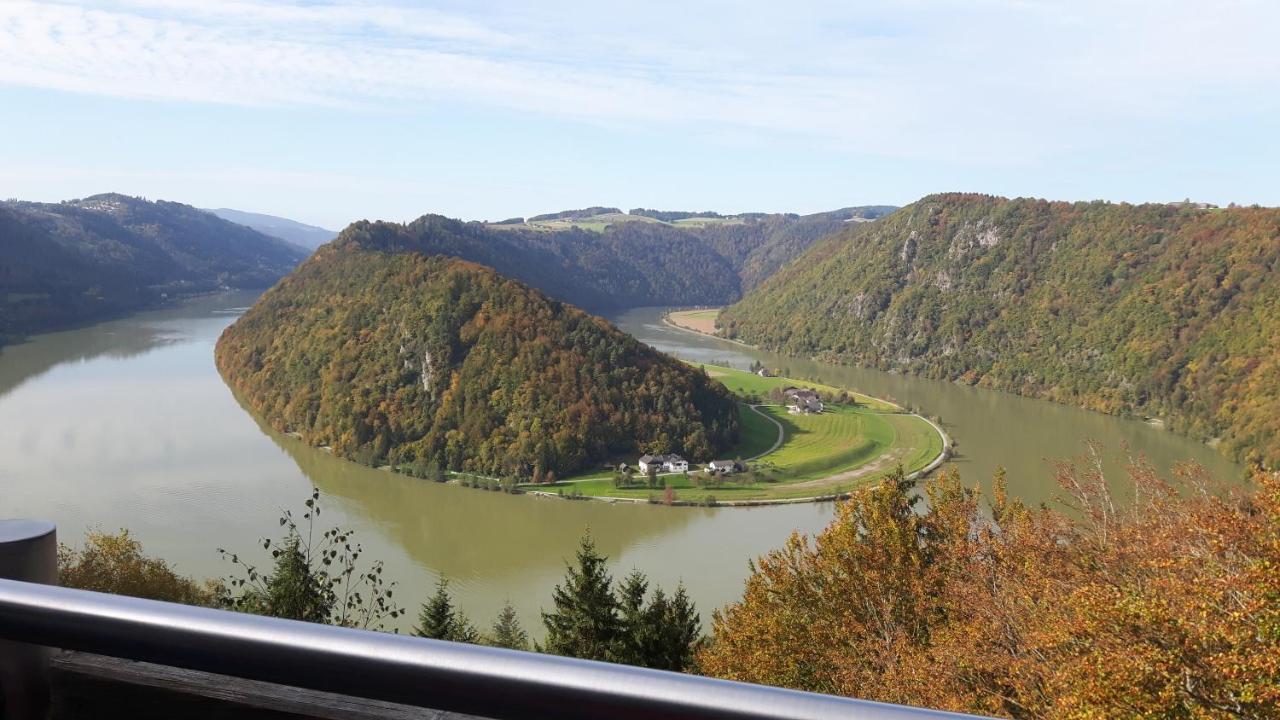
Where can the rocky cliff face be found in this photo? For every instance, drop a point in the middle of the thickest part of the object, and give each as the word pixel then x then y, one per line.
pixel 1164 311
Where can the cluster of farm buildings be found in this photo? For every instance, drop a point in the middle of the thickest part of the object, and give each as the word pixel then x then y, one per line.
pixel 673 463
pixel 800 401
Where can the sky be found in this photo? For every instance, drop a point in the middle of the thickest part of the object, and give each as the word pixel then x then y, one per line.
pixel 333 111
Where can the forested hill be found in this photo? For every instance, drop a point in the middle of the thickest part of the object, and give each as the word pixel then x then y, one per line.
pixel 82 260
pixel 1151 310
pixel 625 266
pixel 759 245
pixel 431 361
pixel 602 259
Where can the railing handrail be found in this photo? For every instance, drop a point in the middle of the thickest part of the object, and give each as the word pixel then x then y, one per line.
pixel 382 666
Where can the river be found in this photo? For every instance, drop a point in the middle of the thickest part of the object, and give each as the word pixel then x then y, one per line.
pixel 126 424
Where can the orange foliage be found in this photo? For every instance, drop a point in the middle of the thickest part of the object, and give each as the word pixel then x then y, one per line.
pixel 1167 606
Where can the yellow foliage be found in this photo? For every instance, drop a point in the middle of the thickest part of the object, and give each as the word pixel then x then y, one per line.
pixel 1169 607
pixel 115 563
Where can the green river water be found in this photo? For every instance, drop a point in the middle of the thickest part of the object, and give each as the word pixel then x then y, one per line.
pixel 127 424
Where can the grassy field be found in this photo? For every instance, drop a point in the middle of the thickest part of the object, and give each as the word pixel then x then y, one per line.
pixel 593 223
pixel 704 221
pixel 840 439
pixel 597 223
pixel 846 446
pixel 757 435
pixel 744 384
pixel 703 321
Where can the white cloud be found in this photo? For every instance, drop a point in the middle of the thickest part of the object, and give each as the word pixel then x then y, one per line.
pixel 998 81
pixel 336 19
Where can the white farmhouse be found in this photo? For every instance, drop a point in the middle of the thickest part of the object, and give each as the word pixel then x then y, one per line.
pixel 662 463
pixel 802 401
pixel 725 467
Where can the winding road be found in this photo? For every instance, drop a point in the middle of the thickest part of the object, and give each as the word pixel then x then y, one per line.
pixel 782 434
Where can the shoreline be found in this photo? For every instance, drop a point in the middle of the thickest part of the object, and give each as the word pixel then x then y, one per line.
pixel 943 455
pixel 164 303
pixel 1158 423
pixel 933 465
pixel 666 320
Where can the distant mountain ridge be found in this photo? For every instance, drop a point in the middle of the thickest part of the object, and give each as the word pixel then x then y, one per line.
pixel 604 260
pixel 625 266
pixel 301 234
pixel 1164 310
pixel 83 260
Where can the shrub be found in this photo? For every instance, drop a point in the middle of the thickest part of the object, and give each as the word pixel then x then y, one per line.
pixel 116 564
pixel 313 580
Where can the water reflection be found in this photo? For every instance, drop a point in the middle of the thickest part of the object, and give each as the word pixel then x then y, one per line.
pixel 117 339
pixel 496 547
pixel 437 523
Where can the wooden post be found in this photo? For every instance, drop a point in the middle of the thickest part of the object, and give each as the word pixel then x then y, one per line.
pixel 28 552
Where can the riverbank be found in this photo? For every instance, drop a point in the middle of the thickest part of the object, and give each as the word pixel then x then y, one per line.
pixel 794 458
pixel 701 321
pixel 802 457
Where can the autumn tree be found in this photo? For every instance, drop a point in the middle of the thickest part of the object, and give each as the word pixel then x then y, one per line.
pixel 117 564
pixel 1160 603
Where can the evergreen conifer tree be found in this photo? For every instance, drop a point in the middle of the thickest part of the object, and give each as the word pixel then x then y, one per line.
pixel 592 620
pixel 463 630
pixel 584 622
pixel 677 626
pixel 438 619
pixel 633 641
pixel 294 591
pixel 507 632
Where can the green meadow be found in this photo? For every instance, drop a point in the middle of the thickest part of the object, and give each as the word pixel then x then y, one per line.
pixel 848 445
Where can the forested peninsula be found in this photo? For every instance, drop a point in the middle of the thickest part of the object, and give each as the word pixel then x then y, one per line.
pixel 391 356
pixel 1163 311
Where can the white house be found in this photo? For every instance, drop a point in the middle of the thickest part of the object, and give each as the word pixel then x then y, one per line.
pixel 727 467
pixel 647 461
pixel 662 463
pixel 802 401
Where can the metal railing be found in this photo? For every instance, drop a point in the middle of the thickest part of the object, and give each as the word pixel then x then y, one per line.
pixel 442 675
